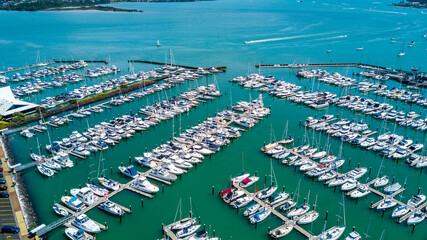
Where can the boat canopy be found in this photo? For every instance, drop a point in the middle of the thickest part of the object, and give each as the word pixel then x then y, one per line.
pixel 226 191
pixel 246 180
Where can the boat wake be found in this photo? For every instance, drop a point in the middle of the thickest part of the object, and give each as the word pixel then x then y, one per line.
pixel 401 13
pixel 285 38
pixel 295 37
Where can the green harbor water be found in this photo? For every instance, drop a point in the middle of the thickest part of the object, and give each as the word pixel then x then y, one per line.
pixel 213 34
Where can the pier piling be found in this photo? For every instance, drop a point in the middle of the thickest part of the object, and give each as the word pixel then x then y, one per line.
pixel 142 202
pixel 163 187
pixel 326 217
pixel 213 190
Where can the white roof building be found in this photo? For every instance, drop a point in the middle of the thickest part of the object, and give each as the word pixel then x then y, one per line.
pixel 10 105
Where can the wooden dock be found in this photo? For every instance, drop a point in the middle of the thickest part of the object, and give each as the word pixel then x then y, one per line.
pixel 26 67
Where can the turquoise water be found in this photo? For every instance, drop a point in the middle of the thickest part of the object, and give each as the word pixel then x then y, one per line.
pixel 213 34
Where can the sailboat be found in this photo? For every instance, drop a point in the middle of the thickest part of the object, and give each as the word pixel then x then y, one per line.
pixel 309 217
pixel 158 43
pixel 335 232
pixel 267 192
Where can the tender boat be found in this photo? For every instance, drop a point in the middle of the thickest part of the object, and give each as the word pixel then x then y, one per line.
pixel 73 203
pixel 109 184
pixel 77 234
pixel 60 210
pixel 129 171
pixel 185 223
pixel 141 183
pixel 111 208
pixel 400 211
pixel 187 231
pixel 85 223
pixel 259 217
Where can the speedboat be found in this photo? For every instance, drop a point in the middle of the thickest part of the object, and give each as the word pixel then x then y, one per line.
pixel 60 210
pixel 141 183
pixel 184 223
pixel 392 188
pixel 281 231
pixel 247 182
pixel 241 202
pixel 85 223
pixel 332 234
pixel 353 236
pixel 111 208
pixel 386 204
pixel 361 191
pixel 400 211
pixel 85 195
pixel 162 173
pixel 265 193
pixel 416 218
pixel 288 206
pixel 259 217
pixel 77 234
pixel 187 231
pixel 129 171
pixel 73 203
pixel 299 211
pixel 416 200
pixel 109 184
pixel 380 182
pixel 276 198
pixel 308 218
pixel 97 190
